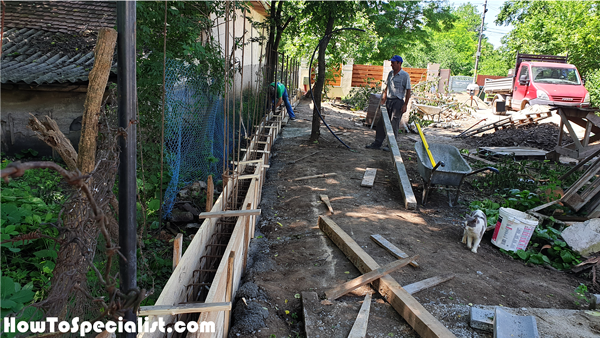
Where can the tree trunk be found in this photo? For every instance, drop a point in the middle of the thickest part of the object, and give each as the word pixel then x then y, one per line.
pixel 318 88
pixel 105 48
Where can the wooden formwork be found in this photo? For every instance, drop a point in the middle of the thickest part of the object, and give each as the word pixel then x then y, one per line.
pixel 233 261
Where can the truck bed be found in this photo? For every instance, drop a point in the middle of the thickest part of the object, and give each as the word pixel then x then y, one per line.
pixel 498 86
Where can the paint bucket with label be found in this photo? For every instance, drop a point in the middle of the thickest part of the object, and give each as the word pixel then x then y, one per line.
pixel 513 229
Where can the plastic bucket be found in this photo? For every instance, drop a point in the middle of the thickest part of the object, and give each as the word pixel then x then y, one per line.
pixel 513 229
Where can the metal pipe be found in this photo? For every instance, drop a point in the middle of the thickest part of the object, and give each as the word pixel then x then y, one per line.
pixel 127 98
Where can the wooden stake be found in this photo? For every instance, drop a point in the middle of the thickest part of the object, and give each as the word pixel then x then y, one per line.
pixel 325 200
pixel 228 292
pixel 314 176
pixel 359 329
pixel 391 248
pixel 98 77
pixel 210 193
pixel 177 249
pixel 49 132
pixel 427 283
pixel 301 158
pixel 408 307
pixel 368 277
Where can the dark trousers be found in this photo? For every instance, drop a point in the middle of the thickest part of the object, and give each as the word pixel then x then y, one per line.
pixel 394 110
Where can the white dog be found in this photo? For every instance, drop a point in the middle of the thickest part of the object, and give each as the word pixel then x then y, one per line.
pixel 475 226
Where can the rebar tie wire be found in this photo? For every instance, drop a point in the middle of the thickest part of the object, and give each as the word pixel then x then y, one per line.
pixel 310 76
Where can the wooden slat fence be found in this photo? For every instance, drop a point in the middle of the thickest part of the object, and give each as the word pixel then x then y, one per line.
pixel 374 74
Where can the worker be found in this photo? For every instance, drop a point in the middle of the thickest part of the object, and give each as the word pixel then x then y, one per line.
pixel 282 94
pixel 395 94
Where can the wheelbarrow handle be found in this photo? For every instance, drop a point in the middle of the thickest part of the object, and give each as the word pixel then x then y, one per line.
pixel 484 169
pixel 437 165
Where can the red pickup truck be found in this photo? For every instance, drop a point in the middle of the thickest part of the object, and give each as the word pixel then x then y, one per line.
pixel 540 79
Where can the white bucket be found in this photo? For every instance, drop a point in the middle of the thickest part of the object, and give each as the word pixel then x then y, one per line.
pixel 513 229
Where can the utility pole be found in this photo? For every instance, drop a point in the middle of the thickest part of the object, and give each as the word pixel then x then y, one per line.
pixel 479 44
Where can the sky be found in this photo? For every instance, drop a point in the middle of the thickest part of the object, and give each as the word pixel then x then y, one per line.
pixel 493 32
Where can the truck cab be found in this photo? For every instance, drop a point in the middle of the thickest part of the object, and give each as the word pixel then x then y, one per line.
pixel 551 83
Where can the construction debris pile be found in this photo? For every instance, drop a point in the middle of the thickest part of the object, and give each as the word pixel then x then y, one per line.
pixel 542 136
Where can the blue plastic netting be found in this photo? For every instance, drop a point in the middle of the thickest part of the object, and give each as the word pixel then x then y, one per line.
pixel 193 129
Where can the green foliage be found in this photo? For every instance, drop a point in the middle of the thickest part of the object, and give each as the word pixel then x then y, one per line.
pixel 546 247
pixel 580 294
pixel 358 97
pixel 29 204
pixel 593 87
pixel 554 27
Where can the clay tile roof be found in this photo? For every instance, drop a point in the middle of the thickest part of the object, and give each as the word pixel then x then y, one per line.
pixel 45 43
pixel 61 16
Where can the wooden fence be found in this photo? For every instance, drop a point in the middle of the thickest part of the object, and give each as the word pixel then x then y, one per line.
pixel 363 74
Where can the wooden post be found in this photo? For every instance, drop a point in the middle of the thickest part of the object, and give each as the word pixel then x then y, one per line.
pixel 177 249
pixel 105 48
pixel 228 292
pixel 210 192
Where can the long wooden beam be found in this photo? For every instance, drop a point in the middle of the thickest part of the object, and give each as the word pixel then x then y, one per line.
pixel 410 202
pixel 425 324
pixel 159 310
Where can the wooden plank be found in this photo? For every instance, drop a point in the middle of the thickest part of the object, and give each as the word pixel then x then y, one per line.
pixel 391 248
pixel 230 213
pixel 571 130
pixel 310 302
pixel 368 277
pixel 314 176
pixel 359 329
pixel 160 310
pixel 229 291
pixel 427 283
pixel 369 178
pixel 325 200
pixel 517 151
pixel 177 249
pixel 477 158
pixel 409 308
pixel 410 202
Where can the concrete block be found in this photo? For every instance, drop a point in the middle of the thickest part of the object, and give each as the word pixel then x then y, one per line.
pixel 482 319
pixel 584 237
pixel 507 325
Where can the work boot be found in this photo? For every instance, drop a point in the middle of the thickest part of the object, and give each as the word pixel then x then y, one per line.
pixel 373 146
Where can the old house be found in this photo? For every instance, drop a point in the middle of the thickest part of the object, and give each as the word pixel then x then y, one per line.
pixel 47 54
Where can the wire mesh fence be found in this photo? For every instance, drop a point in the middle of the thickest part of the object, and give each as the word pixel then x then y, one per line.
pixel 194 129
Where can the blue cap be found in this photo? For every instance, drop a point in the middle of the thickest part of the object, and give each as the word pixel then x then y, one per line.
pixel 397 58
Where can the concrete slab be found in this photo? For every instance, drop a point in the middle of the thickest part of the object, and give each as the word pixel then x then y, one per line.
pixel 507 325
pixel 482 319
pixel 584 237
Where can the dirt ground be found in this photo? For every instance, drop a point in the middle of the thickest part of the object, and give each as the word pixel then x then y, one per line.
pixel 290 254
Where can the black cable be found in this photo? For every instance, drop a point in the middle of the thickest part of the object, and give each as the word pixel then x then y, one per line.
pixel 310 76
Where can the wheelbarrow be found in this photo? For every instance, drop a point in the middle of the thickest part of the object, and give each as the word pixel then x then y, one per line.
pixel 450 169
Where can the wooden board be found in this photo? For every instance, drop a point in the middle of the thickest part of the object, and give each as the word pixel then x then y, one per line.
pixel 230 213
pixel 410 202
pixel 391 248
pixel 409 308
pixel 427 283
pixel 369 178
pixel 325 200
pixel 368 277
pixel 517 151
pixel 310 301
pixel 359 329
pixel 159 310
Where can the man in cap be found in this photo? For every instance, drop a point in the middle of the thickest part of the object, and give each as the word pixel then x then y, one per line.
pixel 396 93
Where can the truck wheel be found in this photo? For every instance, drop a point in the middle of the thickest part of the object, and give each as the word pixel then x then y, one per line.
pixel 525 104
